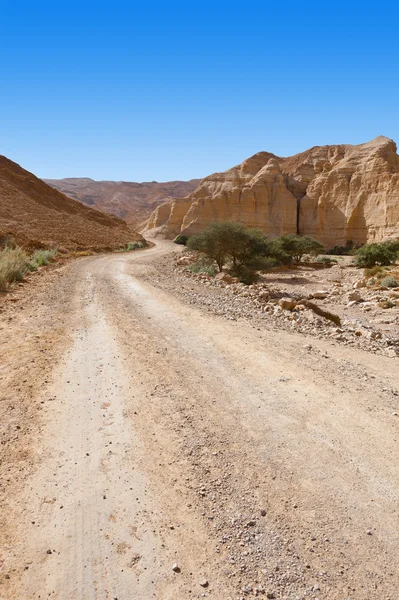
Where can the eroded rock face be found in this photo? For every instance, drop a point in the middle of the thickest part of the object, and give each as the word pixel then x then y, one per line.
pixel 333 193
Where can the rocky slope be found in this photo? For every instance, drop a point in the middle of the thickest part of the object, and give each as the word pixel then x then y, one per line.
pixel 36 214
pixel 133 202
pixel 334 193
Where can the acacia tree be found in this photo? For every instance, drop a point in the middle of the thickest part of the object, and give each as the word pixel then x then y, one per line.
pixel 299 245
pixel 244 250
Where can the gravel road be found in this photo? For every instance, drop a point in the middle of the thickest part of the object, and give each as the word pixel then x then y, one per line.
pixel 150 449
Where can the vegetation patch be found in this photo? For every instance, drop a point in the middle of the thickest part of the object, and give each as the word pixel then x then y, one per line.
pixel 297 246
pixel 15 264
pixel 130 246
pixel 371 255
pixel 181 239
pixel 41 258
pixel 390 282
pixel 244 251
pixel 347 250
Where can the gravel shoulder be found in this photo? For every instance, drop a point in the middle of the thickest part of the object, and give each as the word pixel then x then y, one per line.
pixel 261 461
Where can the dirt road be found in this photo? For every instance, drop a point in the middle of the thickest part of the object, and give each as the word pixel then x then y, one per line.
pixel 151 450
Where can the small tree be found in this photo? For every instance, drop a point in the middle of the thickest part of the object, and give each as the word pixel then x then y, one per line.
pixel 244 250
pixel 298 245
pixel 375 254
pixel 213 242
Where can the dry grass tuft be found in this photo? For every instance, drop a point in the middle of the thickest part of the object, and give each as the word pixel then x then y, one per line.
pixel 14 264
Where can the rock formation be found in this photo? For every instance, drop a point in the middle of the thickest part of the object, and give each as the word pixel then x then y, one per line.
pixel 133 202
pixel 333 193
pixel 35 214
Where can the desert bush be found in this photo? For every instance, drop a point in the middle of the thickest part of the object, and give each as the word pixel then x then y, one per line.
pixel 392 245
pixel 375 254
pixel 132 246
pixel 387 304
pixel 376 271
pixel 244 250
pixel 203 265
pixel 181 239
pixel 326 260
pixel 346 250
pixel 297 246
pixel 389 282
pixel 14 264
pixel 41 258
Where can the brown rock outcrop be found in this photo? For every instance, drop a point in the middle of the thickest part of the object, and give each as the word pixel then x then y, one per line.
pixel 333 193
pixel 38 215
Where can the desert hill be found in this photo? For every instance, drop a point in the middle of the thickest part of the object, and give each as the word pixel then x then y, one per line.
pixel 133 202
pixel 334 193
pixel 34 212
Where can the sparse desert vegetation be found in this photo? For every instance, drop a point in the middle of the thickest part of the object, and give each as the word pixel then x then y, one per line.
pixel 15 263
pixel 244 251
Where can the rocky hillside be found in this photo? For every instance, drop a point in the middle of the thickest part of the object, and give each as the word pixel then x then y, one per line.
pixel 37 214
pixel 133 202
pixel 334 193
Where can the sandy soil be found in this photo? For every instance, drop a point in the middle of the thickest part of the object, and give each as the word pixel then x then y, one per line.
pixel 139 433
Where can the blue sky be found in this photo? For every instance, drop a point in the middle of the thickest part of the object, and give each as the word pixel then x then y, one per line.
pixel 113 90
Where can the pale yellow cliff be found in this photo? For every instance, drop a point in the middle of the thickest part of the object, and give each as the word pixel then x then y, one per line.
pixel 333 193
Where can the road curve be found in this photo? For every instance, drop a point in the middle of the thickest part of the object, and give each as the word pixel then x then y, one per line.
pixel 168 436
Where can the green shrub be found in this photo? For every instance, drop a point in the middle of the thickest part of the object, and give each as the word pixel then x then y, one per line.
pixel 392 245
pixel 133 246
pixel 244 250
pixel 297 246
pixel 41 258
pixel 375 254
pixel 181 239
pixel 202 266
pixel 346 250
pixel 326 260
pixel 389 282
pixel 14 264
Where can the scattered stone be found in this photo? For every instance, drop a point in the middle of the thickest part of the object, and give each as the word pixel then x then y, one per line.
pixel 287 303
pixel 203 582
pixel 355 297
pixel 176 568
pixel 320 294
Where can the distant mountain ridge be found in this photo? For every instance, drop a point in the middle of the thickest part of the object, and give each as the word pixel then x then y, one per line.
pixel 131 201
pixel 37 214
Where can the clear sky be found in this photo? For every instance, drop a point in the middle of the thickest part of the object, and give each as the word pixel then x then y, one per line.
pixel 113 90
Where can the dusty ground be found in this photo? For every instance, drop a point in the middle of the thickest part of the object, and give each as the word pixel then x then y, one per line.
pixel 369 312
pixel 139 431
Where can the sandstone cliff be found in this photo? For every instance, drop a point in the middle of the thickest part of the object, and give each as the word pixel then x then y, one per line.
pixel 333 193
